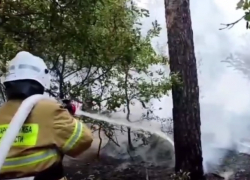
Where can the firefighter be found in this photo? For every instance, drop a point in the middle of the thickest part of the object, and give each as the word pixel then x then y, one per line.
pixel 49 132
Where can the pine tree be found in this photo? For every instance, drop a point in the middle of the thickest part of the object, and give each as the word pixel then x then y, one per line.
pixel 186 107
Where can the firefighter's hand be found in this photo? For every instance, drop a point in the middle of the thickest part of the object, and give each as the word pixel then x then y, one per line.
pixel 69 106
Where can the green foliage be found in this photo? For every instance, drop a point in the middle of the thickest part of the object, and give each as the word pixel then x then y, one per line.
pixel 244 5
pixel 94 49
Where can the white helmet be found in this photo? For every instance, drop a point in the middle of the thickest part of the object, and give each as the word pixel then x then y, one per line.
pixel 27 66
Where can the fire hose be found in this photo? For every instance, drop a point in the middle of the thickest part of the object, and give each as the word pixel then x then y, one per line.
pixel 16 124
pixel 19 119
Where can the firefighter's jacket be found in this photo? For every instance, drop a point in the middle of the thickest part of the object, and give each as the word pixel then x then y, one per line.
pixel 48 132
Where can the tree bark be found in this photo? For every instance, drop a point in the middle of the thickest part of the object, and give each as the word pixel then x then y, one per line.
pixel 186 108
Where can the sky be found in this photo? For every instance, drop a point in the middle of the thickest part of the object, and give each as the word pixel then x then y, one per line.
pixel 225 95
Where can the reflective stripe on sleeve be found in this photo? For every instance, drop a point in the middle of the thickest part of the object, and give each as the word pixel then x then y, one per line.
pixel 29 159
pixel 74 137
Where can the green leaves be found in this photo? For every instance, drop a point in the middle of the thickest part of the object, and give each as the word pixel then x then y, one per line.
pixel 240 4
pixel 247 17
pixel 244 5
pixel 94 49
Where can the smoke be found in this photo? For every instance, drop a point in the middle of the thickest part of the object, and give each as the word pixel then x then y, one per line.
pixel 225 96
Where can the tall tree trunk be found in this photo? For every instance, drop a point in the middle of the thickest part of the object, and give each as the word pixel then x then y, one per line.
pixel 186 108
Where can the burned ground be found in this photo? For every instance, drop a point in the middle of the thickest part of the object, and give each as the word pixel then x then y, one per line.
pixel 112 169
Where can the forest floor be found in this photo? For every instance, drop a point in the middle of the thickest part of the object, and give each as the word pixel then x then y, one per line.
pixel 112 169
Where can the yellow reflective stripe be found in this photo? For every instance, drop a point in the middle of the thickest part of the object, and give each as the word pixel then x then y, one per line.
pixel 29 159
pixel 74 137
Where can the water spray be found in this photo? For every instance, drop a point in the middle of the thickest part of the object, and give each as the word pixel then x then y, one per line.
pixel 117 122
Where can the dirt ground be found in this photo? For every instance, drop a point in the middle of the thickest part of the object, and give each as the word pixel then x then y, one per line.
pixel 112 169
pixel 115 170
pixel 134 172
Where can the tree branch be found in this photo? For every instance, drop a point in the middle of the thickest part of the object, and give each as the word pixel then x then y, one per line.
pixel 230 25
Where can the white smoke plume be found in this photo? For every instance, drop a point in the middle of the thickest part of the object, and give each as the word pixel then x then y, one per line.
pixel 225 96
